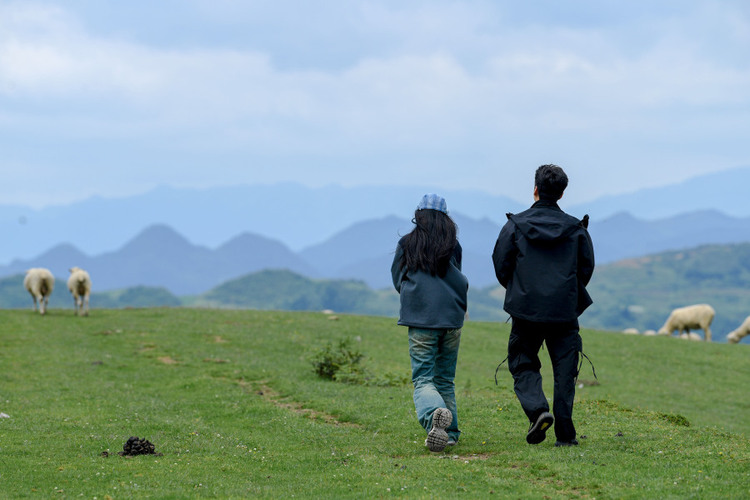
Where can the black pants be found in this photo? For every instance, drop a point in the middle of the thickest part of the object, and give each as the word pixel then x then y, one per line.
pixel 563 344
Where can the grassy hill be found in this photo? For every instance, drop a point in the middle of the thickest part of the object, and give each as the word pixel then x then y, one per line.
pixel 641 293
pixel 288 291
pixel 635 293
pixel 230 399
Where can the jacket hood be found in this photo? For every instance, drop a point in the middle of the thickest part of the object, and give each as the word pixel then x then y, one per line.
pixel 548 225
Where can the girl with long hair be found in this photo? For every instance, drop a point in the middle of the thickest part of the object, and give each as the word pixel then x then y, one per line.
pixel 426 272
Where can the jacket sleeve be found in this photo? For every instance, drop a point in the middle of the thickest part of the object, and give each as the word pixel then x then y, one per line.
pixel 397 274
pixel 504 255
pixel 458 255
pixel 585 258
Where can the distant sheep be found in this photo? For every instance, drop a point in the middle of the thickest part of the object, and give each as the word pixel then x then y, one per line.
pixel 631 331
pixel 79 284
pixel 649 333
pixel 690 336
pixel 742 331
pixel 39 282
pixel 683 319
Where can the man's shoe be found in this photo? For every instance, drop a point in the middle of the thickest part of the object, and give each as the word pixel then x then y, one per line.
pixel 538 430
pixel 437 438
pixel 572 442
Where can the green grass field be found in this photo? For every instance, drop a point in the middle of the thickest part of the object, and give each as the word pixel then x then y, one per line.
pixel 230 400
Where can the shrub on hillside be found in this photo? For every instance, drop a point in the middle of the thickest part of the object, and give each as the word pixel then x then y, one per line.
pixel 339 361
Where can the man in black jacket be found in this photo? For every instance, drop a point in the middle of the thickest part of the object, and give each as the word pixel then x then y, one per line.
pixel 544 258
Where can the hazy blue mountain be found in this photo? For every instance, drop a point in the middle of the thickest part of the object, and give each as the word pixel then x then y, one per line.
pixel 365 250
pixel 360 242
pixel 725 192
pixel 295 215
pixel 302 217
pixel 58 259
pixel 161 257
pixel 622 235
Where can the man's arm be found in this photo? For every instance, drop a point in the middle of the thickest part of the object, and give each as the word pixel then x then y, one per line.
pixel 585 258
pixel 504 255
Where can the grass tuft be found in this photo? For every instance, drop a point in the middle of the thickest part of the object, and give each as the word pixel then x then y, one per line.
pixel 674 419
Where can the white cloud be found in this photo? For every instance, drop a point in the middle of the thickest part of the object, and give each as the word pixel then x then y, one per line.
pixel 423 87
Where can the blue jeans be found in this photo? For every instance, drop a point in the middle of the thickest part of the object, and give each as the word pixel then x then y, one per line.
pixel 434 354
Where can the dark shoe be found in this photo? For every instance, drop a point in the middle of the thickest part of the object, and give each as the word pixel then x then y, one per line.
pixel 572 442
pixel 437 438
pixel 538 430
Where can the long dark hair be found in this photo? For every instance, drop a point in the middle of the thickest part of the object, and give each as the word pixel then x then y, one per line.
pixel 430 245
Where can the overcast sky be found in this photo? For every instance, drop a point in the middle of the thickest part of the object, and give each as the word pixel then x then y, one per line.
pixel 112 98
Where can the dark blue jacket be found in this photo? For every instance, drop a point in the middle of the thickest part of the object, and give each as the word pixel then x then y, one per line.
pixel 544 258
pixel 429 301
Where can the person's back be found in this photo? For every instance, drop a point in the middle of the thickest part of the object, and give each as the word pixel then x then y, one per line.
pixel 544 258
pixel 426 271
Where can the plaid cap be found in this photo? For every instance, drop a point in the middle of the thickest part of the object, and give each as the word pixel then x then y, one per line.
pixel 433 202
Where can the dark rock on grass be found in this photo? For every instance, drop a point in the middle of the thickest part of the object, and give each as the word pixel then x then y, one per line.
pixel 136 446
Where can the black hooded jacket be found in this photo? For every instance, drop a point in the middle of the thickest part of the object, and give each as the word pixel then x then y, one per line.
pixel 544 258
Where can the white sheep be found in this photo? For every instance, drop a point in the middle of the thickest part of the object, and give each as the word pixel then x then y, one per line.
pixel 743 330
pixel 649 333
pixel 79 284
pixel 631 331
pixel 690 336
pixel 683 319
pixel 39 282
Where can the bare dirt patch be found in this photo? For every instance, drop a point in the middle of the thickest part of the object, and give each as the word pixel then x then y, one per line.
pixel 261 389
pixel 274 397
pixel 466 458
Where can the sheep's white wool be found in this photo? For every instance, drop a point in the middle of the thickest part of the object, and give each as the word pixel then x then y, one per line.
pixel 690 336
pixel 683 319
pixel 39 282
pixel 79 284
pixel 737 335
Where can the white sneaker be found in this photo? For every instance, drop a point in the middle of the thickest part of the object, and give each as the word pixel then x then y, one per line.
pixel 437 438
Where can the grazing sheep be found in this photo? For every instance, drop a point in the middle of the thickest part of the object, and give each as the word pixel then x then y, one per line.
pixel 79 284
pixel 631 331
pixel 39 282
pixel 683 319
pixel 649 333
pixel 690 336
pixel 742 331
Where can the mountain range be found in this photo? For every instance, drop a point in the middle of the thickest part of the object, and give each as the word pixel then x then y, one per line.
pixel 301 217
pixel 631 293
pixel 161 257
